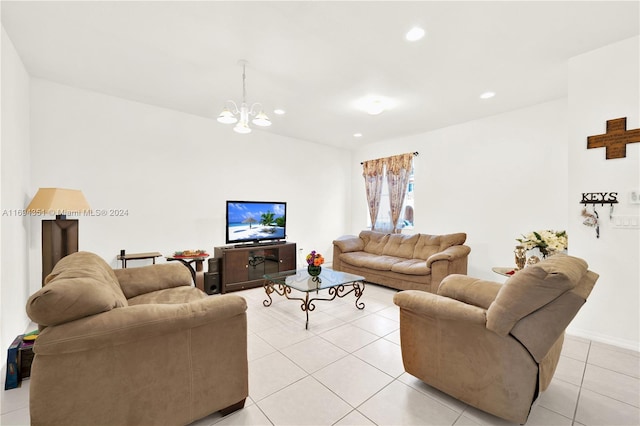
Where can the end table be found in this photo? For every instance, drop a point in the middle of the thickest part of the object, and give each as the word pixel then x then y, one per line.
pixel 138 256
pixel 189 261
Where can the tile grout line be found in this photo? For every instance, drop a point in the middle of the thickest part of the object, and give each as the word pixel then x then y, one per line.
pixel 584 372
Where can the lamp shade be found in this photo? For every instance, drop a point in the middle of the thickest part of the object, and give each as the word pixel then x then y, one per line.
pixel 227 117
pixel 242 128
pixel 262 120
pixel 58 201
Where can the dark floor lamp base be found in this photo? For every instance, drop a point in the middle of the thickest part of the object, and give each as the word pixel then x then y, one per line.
pixel 59 238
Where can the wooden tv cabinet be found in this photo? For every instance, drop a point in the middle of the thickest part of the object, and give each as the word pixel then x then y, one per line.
pixel 243 267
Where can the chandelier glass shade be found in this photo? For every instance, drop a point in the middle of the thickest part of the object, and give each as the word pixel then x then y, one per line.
pixel 240 116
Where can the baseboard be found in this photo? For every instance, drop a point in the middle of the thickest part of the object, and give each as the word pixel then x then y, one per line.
pixel 601 338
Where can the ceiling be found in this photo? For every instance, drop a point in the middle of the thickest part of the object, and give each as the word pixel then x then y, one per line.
pixel 315 58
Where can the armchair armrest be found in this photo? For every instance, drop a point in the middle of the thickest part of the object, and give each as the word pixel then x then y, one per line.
pixel 145 279
pixel 449 254
pixel 469 290
pixel 349 243
pixel 132 323
pixel 435 306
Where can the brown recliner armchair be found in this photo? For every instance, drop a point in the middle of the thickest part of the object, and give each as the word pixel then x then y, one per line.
pixel 493 346
pixel 135 346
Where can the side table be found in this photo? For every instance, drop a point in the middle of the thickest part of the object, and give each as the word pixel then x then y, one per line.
pixel 138 256
pixel 189 262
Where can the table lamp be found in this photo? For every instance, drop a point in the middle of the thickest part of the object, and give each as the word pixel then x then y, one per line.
pixel 59 236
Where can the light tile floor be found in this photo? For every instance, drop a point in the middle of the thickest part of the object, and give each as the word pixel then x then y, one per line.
pixel 347 370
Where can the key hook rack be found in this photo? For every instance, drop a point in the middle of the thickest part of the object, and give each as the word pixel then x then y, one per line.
pixel 601 198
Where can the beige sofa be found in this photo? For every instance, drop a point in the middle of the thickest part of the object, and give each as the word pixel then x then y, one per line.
pixel 136 346
pixel 403 262
pixel 494 346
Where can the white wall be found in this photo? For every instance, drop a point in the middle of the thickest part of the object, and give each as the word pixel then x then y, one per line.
pixel 172 172
pixel 501 176
pixel 494 179
pixel 603 85
pixel 15 192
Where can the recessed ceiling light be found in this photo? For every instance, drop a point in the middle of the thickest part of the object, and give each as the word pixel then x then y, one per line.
pixel 357 135
pixel 279 111
pixel 487 95
pixel 374 105
pixel 414 34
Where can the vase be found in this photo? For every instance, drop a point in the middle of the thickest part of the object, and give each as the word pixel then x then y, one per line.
pixel 313 270
pixel 521 257
pixel 533 260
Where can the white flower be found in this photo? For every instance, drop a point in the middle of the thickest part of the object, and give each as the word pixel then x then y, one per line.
pixel 545 240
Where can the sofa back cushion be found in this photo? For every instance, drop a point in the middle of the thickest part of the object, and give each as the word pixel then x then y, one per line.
pixel 539 330
pixel 147 279
pixel 374 242
pixel 449 240
pixel 428 245
pixel 80 285
pixel 533 288
pixel 399 245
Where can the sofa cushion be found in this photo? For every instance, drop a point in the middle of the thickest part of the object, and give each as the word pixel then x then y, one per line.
pixel 399 245
pixel 368 260
pixel 448 240
pixel 146 279
pixel 374 242
pixel 182 294
pixel 426 246
pixel 411 267
pixel 532 288
pixel 80 285
pixel 70 298
pixel 86 264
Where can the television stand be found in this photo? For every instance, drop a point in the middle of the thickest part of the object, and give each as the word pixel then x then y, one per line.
pixel 260 244
pixel 244 266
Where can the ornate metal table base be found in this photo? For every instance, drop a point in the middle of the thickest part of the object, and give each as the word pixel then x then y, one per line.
pixel 307 305
pixel 187 261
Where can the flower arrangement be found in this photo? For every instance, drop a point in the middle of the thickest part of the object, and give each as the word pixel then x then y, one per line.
pixel 314 259
pixel 190 253
pixel 545 241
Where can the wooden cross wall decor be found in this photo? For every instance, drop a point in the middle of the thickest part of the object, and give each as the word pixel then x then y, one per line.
pixel 616 139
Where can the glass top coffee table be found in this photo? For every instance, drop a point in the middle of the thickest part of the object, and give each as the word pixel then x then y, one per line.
pixel 337 284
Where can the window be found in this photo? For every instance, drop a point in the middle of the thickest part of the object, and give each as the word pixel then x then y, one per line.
pixel 383 221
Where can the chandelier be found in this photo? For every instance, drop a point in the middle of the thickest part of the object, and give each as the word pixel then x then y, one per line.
pixel 230 116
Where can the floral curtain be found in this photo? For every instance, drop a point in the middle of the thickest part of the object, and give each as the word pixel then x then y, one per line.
pixel 373 173
pixel 398 173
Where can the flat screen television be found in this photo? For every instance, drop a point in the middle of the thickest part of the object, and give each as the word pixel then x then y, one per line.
pixel 256 221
